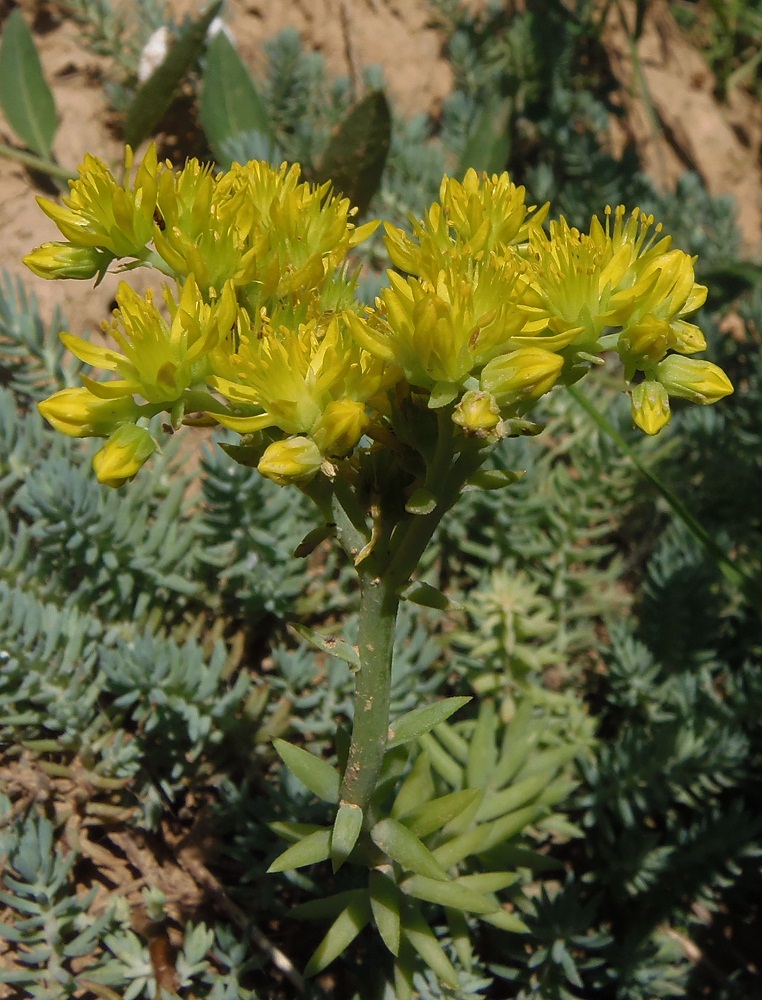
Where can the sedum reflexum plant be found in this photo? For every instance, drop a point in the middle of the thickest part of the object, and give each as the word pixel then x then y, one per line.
pixel 382 416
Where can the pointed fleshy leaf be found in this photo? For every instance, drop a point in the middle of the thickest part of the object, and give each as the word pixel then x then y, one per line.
pixel 426 596
pixel 433 815
pixel 461 938
pixel 443 393
pixel 154 96
pixel 331 644
pixel 316 774
pixel 464 820
pixel 385 904
pixel 513 797
pixel 394 766
pixel 326 908
pixel 441 761
pixel 416 788
pixel 560 827
pixel 423 939
pixel 488 881
pixel 422 501
pixel 229 103
pixel 482 752
pixel 486 836
pixel 500 830
pixel 511 856
pixel 505 921
pixel 492 479
pixel 25 97
pixel 519 740
pixel 550 761
pixel 355 156
pixel 452 741
pixel 293 832
pixel 414 724
pixel 346 830
pixel 315 847
pixel 402 846
pixel 557 791
pixel 404 970
pixel 314 538
pixel 452 894
pixel 341 933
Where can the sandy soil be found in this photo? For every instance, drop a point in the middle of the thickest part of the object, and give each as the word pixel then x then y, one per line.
pixel 674 118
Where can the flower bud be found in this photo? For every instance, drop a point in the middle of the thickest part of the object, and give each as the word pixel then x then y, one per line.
pixel 522 376
pixel 78 413
pixel 123 455
pixel 477 413
pixel 340 427
pixel 698 381
pixel 646 341
pixel 64 260
pixel 291 461
pixel 650 407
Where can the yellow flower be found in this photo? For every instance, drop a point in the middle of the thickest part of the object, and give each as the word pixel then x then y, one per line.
pixel 441 333
pixel 159 360
pixel 101 213
pixel 295 460
pixel 296 379
pixel 650 406
pixel 473 218
pixel 698 381
pixel 123 455
pixel 65 260
pixel 80 413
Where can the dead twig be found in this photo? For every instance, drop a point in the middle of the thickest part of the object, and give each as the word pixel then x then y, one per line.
pixel 210 884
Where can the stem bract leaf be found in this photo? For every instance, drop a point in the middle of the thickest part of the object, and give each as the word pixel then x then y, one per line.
pixel 413 724
pixel 316 774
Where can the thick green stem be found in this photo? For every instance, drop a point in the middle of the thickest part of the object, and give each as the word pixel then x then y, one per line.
pixel 410 545
pixel 379 602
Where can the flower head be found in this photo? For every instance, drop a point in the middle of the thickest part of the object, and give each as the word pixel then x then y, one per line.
pixel 312 380
pixel 441 333
pixel 99 212
pixel 473 218
pixel 159 360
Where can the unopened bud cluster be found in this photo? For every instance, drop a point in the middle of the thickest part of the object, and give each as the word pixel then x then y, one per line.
pixel 259 328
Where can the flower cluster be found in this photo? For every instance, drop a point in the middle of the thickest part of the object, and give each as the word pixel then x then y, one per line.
pixel 260 330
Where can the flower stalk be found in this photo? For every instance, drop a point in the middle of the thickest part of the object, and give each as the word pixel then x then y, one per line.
pixel 379 604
